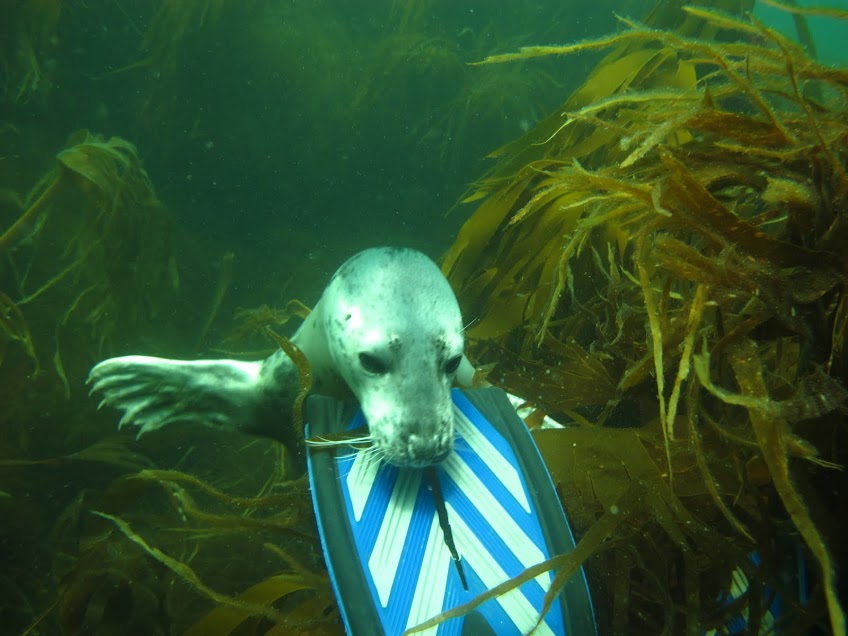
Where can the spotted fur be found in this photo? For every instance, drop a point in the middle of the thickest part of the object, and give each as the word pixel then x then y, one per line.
pixel 386 333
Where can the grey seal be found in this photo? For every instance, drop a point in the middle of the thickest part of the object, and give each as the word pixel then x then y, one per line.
pixel 387 333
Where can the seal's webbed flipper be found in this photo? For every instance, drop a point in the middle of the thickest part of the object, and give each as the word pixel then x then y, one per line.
pixel 155 392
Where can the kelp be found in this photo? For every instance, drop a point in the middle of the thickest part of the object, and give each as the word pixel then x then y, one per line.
pixel 304 374
pixel 453 112
pixel 165 539
pixel 683 210
pixel 290 54
pixel 773 437
pixel 88 254
pixel 229 616
pixel 550 266
pixel 109 452
pixel 27 36
pixel 822 11
pixel 186 573
pixel 252 323
pixel 111 590
pixel 225 276
pixel 13 327
pixel 163 51
pixel 92 247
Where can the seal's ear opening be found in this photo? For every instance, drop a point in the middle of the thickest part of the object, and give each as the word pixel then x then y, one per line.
pixel 384 538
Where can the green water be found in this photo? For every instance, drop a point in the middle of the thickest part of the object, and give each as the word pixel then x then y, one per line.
pixel 288 133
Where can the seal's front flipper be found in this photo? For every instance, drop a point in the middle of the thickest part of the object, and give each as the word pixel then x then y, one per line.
pixel 401 550
pixel 155 392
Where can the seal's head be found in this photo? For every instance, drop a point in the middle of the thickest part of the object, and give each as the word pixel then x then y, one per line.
pixel 394 331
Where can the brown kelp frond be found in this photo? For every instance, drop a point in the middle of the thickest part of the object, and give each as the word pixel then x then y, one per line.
pixel 176 476
pixel 528 52
pixel 823 11
pixel 689 197
pixel 703 465
pixel 113 266
pixel 190 576
pixel 253 322
pixel 304 374
pixel 645 58
pixel 223 524
pixel 190 528
pixel 772 436
pixel 227 617
pixel 112 452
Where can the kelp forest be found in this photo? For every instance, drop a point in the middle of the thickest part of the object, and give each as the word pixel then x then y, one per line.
pixel 645 226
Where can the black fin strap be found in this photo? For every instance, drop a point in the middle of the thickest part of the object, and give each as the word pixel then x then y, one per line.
pixel 442 511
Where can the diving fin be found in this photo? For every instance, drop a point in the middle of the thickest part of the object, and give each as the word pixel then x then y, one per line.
pixel 402 549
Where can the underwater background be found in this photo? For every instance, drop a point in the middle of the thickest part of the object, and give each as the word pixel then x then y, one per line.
pixel 642 208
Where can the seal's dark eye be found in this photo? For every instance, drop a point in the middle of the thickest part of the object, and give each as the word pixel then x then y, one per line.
pixel 372 364
pixel 452 365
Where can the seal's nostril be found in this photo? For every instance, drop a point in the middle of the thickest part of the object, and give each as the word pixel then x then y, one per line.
pixel 427 451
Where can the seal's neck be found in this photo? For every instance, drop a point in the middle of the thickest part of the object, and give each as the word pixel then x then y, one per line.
pixel 312 341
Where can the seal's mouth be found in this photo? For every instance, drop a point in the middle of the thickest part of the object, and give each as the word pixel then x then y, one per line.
pixel 414 450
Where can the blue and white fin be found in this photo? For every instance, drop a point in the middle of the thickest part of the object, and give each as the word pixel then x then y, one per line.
pixel 388 557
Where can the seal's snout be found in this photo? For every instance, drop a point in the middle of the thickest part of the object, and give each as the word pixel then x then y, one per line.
pixel 417 450
pixel 426 451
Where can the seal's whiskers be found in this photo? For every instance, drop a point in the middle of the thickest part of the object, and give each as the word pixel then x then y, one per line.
pixel 346 441
pixel 372 454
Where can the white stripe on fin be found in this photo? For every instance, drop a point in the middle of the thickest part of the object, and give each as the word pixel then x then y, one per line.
pixel 427 602
pixel 360 480
pixel 514 603
pixel 490 455
pixel 384 559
